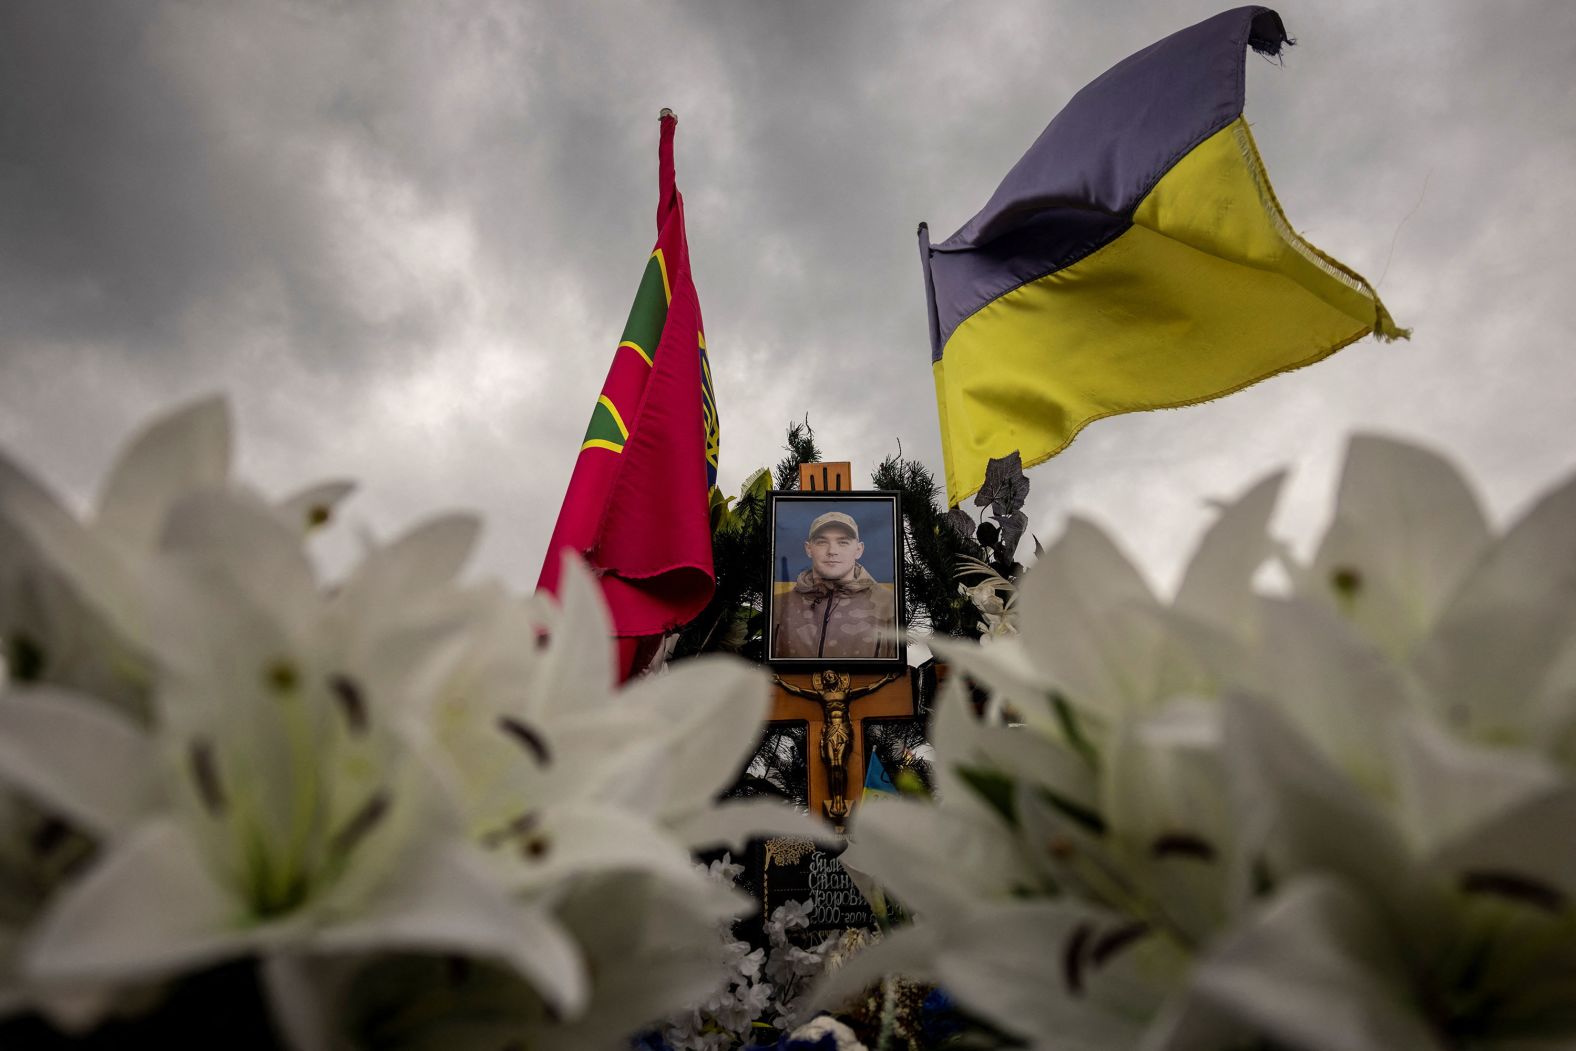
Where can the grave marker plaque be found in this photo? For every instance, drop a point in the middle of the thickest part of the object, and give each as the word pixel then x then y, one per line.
pixel 796 870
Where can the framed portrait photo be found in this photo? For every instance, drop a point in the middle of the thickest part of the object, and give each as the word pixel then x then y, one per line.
pixel 836 593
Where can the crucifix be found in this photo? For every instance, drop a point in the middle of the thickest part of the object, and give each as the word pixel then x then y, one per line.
pixel 825 701
pixel 837 703
pixel 825 698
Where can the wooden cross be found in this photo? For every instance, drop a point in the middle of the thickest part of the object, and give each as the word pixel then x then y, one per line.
pixel 825 699
pixel 835 705
pixel 835 476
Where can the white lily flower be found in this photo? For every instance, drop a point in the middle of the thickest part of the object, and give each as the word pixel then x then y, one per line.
pixel 1449 912
pixel 1484 624
pixel 72 621
pixel 291 816
pixel 567 782
pixel 1060 894
pixel 562 773
pixel 69 618
pixel 1109 810
pixel 70 590
pixel 1093 632
pixel 89 566
pixel 311 775
pixel 68 599
pixel 1367 846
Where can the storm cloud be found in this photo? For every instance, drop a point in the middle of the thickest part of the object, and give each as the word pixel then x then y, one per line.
pixel 403 237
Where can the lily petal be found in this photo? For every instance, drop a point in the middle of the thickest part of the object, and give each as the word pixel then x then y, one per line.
pixel 714 708
pixel 1314 971
pixel 1497 647
pixel 1407 528
pixel 734 824
pixel 73 641
pixel 934 860
pixel 1448 787
pixel 236 534
pixel 301 992
pixel 76 755
pixel 578 669
pixel 1167 804
pixel 448 900
pixel 185 450
pixel 422 560
pixel 1217 585
pixel 1015 965
pixel 1088 621
pixel 1316 818
pixel 962 740
pixel 1337 689
pixel 653 948
pixel 1530 843
pixel 148 909
pixel 564 843
pixel 83 559
pixel 1004 669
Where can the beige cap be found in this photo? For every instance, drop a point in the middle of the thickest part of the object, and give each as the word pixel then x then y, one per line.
pixel 832 518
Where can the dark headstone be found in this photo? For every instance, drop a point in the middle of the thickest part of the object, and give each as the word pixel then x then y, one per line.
pixel 797 870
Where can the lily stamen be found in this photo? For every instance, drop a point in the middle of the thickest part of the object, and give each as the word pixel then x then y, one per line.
pixel 205 773
pixel 518 828
pixel 351 703
pixel 1516 888
pixel 1072 958
pixel 363 822
pixel 527 737
pixel 1185 844
pixel 1114 941
pixel 281 676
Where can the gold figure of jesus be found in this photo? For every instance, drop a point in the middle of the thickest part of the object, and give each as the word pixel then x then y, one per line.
pixel 835 693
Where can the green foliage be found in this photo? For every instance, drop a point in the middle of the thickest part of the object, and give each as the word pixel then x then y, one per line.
pixel 931 548
pixel 801 448
pixel 932 545
pixel 731 620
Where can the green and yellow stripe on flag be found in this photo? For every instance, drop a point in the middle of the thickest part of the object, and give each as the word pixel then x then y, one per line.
pixel 1135 258
pixel 649 312
pixel 632 361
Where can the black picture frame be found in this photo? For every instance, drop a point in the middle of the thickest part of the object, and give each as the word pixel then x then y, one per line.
pixel 878 516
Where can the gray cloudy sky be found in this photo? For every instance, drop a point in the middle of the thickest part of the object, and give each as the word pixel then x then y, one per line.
pixel 402 237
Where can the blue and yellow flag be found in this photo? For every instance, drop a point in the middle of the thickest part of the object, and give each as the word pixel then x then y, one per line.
pixel 877 780
pixel 1135 258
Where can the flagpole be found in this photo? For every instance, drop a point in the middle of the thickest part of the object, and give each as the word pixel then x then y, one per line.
pixel 930 292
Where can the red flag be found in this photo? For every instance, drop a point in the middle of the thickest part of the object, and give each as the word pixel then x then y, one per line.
pixel 637 507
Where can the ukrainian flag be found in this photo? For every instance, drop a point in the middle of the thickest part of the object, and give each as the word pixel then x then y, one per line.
pixel 1135 258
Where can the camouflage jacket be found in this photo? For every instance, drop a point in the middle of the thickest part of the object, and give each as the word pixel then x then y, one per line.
pixel 844 620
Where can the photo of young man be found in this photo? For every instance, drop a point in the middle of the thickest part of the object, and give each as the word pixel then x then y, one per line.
pixel 835 608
